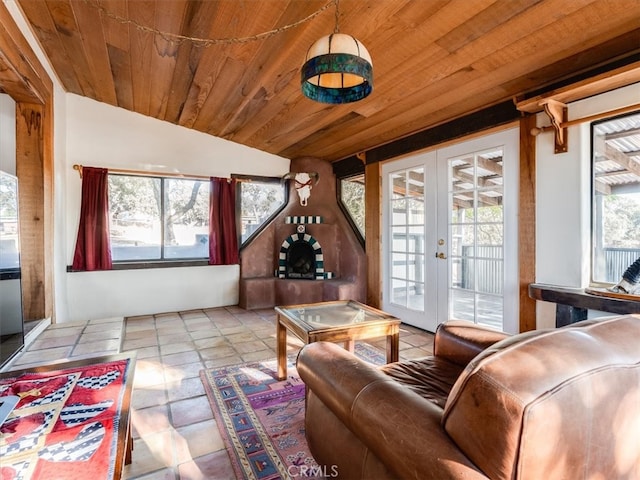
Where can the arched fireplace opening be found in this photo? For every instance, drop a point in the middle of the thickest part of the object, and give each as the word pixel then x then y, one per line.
pixel 301 261
pixel 301 258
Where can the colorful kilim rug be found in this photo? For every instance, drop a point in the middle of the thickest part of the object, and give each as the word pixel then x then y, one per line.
pixel 65 424
pixel 261 420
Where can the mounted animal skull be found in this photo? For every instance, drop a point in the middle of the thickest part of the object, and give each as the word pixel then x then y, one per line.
pixel 304 182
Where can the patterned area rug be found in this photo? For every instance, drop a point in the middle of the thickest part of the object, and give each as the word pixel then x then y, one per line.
pixel 262 420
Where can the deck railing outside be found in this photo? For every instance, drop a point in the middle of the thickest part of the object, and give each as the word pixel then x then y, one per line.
pixel 617 260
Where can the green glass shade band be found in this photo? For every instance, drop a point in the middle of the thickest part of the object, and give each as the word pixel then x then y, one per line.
pixel 337 63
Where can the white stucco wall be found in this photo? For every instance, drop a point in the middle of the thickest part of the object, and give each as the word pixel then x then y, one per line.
pixel 100 135
pixel 563 199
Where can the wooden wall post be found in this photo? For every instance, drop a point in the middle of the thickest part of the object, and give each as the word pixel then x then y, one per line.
pixel 23 77
pixel 34 170
pixel 527 222
pixel 373 229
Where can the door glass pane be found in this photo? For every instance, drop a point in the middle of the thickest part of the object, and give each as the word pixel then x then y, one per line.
pixel 415 182
pixel 462 239
pixel 398 185
pixel 399 212
pixel 415 298
pixel 399 265
pixel 415 239
pixel 489 310
pixel 399 292
pixel 462 304
pixel 399 239
pixel 462 206
pixel 415 268
pixel 462 175
pixel 407 217
pixel 477 237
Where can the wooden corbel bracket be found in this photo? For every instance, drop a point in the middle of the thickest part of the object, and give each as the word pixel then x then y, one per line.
pixel 558 114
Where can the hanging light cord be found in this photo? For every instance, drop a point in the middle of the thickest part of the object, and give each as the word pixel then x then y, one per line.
pixel 337 27
pixel 207 42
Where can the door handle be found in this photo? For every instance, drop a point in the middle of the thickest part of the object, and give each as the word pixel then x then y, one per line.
pixel 441 255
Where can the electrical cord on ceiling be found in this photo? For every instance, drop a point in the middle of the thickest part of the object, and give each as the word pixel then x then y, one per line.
pixel 207 42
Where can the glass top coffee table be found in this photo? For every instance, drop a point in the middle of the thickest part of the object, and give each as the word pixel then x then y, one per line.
pixel 339 321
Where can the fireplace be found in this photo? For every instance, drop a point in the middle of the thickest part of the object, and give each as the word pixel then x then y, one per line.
pixel 306 254
pixel 301 258
pixel 301 261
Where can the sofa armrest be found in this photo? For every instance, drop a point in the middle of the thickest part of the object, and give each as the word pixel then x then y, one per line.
pixel 459 341
pixel 397 425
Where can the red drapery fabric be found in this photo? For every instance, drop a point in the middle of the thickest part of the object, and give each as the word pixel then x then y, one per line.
pixel 93 250
pixel 223 238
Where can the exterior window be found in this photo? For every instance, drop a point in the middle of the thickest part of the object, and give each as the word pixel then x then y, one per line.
pixel 351 192
pixel 155 219
pixel 259 200
pixel 616 197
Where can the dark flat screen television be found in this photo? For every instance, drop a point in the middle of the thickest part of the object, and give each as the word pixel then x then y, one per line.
pixel 11 320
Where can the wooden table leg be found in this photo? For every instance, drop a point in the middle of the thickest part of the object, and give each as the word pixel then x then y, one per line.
pixel 129 449
pixel 350 345
pixel 393 347
pixel 281 349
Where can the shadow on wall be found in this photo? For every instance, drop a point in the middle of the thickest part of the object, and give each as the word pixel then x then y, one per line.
pixel 336 270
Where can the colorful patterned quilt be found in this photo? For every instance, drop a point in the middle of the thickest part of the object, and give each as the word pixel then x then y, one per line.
pixel 66 423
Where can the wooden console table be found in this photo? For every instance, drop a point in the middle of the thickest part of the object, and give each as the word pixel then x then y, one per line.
pixel 572 304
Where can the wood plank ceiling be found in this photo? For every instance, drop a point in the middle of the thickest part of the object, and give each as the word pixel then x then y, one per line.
pixel 434 61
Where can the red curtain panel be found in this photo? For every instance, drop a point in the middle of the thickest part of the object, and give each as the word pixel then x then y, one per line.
pixel 223 238
pixel 93 250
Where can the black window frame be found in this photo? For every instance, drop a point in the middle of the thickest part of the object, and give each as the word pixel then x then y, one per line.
pixel 162 262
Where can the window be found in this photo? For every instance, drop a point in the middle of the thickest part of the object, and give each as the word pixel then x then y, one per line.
pixel 9 227
pixel 351 194
pixel 153 218
pixel 259 200
pixel 616 196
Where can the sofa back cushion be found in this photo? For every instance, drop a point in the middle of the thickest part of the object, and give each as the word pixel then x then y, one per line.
pixel 561 403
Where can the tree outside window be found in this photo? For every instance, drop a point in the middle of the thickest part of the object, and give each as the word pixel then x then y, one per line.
pixel 259 200
pixel 352 201
pixel 154 218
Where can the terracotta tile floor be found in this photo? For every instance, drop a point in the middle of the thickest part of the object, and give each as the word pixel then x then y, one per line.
pixel 175 434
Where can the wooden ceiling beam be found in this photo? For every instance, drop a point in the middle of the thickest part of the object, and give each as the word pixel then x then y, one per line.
pixel 12 81
pixel 22 78
pixel 604 82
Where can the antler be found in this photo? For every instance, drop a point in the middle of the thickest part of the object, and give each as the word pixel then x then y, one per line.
pixel 315 176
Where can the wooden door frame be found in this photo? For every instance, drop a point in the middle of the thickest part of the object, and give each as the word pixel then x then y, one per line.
pixel 25 80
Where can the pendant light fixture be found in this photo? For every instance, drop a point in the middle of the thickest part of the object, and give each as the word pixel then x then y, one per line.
pixel 337 69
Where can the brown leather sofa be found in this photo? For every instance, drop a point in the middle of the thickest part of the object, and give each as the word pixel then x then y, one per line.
pixel 548 404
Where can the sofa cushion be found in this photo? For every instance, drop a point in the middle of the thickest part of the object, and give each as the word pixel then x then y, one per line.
pixel 561 403
pixel 432 378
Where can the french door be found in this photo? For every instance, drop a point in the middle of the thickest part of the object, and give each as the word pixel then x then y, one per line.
pixel 450 234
